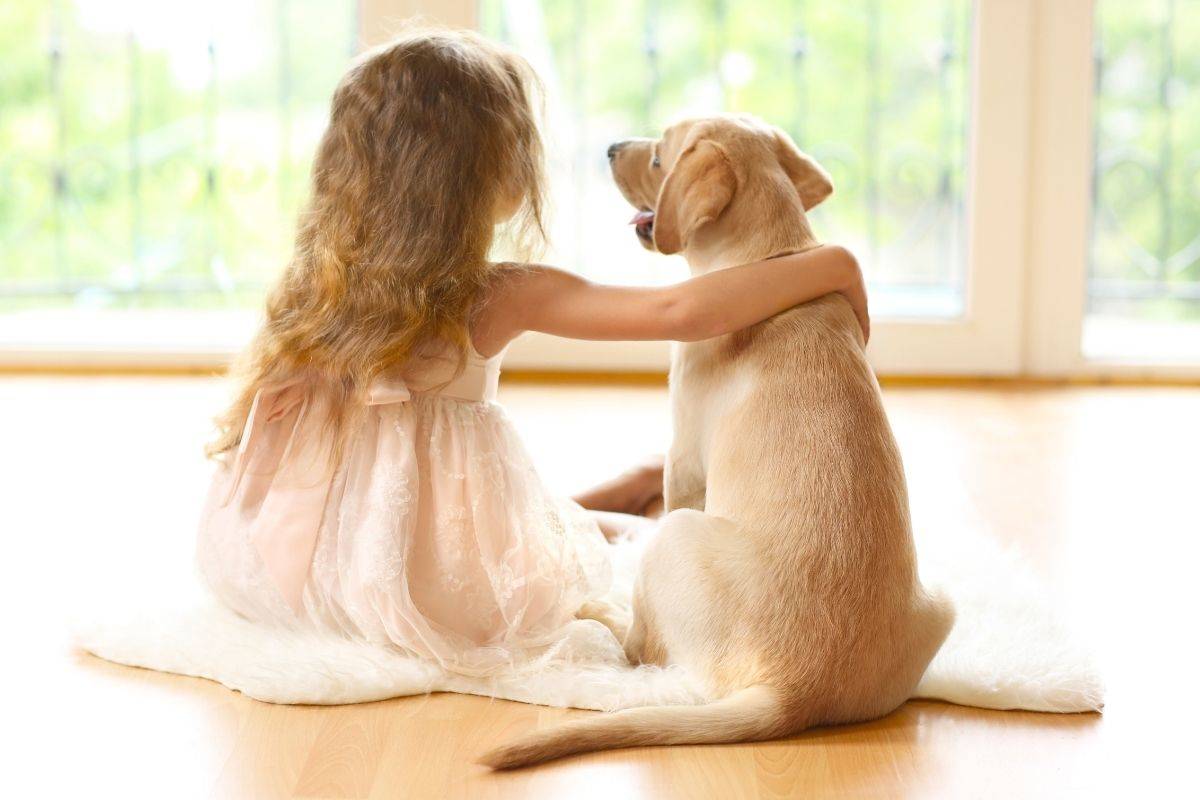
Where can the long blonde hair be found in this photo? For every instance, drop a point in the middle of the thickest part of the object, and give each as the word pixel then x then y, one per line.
pixel 430 138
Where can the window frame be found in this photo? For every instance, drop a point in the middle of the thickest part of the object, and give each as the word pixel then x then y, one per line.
pixel 1063 143
pixel 1029 207
pixel 986 338
pixel 1028 215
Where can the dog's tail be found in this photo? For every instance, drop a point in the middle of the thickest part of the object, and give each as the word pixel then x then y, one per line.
pixel 749 714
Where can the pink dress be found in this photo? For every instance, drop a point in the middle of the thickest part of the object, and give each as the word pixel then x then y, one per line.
pixel 432 531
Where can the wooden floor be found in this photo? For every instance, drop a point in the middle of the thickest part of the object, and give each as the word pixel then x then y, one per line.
pixel 101 479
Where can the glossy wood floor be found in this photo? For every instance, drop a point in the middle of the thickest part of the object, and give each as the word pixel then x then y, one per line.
pixel 101 478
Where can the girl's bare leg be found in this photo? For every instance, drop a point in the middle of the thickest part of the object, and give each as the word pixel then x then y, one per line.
pixel 634 492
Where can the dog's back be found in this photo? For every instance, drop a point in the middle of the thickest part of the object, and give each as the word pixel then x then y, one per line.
pixel 803 460
pixel 794 594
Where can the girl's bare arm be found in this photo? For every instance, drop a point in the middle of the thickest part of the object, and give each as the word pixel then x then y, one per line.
pixel 553 301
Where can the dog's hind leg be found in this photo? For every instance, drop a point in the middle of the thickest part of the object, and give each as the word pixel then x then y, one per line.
pixel 642 643
pixel 678 613
pixel 611 616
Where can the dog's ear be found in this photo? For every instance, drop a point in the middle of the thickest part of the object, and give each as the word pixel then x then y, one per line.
pixel 810 179
pixel 695 192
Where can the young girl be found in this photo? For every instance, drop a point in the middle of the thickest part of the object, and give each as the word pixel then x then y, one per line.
pixel 369 484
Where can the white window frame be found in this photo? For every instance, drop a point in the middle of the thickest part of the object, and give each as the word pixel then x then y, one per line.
pixel 1028 213
pixel 1029 208
pixel 1060 203
pixel 986 339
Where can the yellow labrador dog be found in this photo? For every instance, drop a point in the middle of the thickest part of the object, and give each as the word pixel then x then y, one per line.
pixel 784 576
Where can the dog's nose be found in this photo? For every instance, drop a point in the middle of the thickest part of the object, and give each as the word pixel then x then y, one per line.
pixel 615 148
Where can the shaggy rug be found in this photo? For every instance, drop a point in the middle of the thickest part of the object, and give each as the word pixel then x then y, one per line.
pixel 1007 650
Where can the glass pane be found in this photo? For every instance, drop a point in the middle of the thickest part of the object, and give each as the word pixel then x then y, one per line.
pixel 877 92
pixel 153 155
pixel 1144 279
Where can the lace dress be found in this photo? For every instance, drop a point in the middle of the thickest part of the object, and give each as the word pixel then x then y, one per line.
pixel 432 532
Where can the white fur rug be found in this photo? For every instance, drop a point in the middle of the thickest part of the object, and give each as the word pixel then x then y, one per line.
pixel 1007 649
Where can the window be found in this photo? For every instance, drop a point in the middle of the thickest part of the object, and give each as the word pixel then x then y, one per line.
pixel 157 154
pixel 1143 291
pixel 877 92
pixel 1019 178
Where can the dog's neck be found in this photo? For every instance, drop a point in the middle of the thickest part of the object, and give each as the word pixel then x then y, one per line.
pixel 764 221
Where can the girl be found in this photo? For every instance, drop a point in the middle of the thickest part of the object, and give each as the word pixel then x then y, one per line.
pixel 369 484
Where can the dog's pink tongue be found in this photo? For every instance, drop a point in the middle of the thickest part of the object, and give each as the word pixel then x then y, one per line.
pixel 641 216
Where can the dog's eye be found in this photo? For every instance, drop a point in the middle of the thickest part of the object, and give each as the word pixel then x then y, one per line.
pixel 654 162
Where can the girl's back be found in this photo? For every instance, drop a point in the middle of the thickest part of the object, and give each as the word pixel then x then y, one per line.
pixel 430 530
pixel 368 483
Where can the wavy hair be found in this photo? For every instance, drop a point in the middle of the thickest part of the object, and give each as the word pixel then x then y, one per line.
pixel 432 140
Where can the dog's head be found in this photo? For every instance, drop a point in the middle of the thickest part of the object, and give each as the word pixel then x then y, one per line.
pixel 702 170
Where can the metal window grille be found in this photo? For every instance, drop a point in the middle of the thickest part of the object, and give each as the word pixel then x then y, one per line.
pixel 1145 249
pixel 160 161
pixel 878 92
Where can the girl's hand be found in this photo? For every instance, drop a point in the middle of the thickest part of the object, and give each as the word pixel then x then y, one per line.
pixel 855 292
